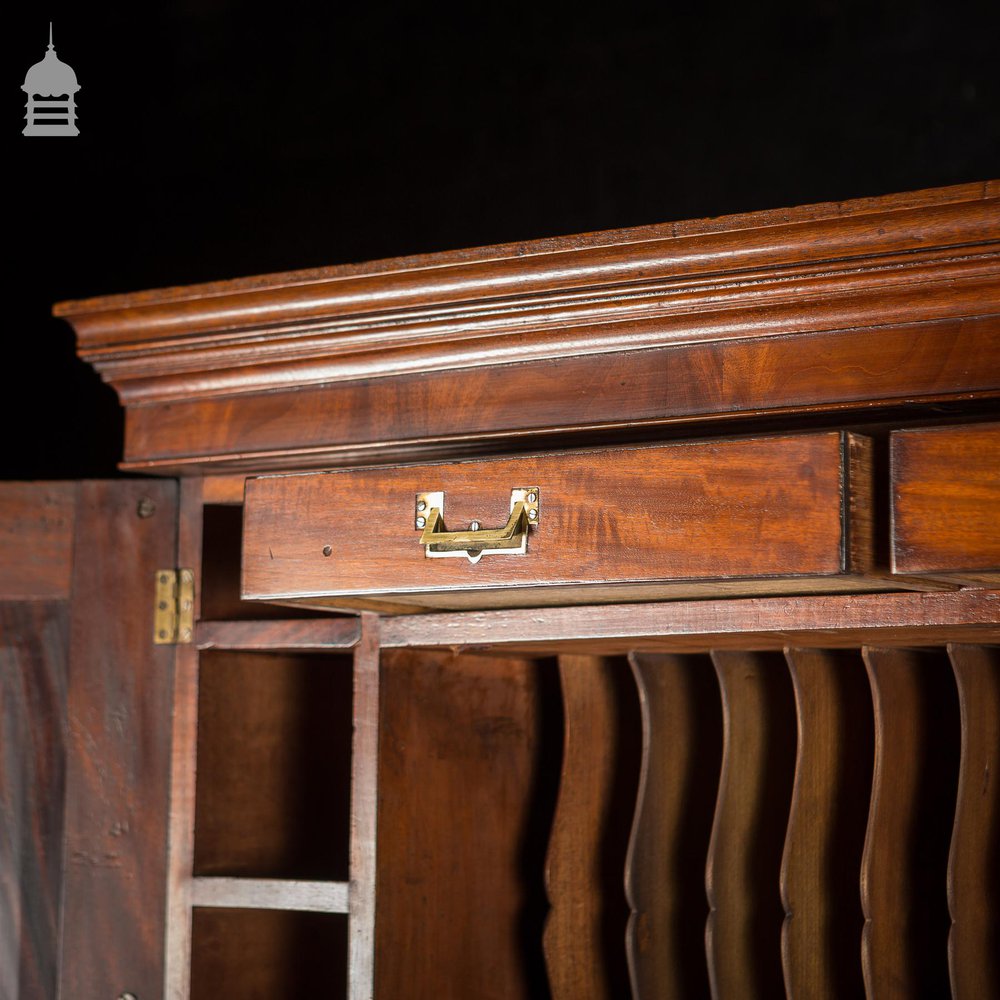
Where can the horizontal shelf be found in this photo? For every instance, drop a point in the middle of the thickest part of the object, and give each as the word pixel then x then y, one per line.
pixel 270 894
pixel 842 620
pixel 279 636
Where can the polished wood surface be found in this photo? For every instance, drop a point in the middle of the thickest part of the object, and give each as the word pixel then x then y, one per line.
pixel 974 861
pixel 698 626
pixel 743 932
pixel 904 867
pixel 755 508
pixel 321 635
pixel 826 825
pixel 675 803
pixel 946 501
pixel 860 303
pixel 585 929
pixel 36 540
pixel 118 745
pixel 469 751
pixel 33 678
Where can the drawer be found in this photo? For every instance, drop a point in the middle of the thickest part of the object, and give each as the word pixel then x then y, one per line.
pixel 787 514
pixel 946 502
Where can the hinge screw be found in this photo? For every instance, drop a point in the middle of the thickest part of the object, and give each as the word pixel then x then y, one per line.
pixel 421 505
pixel 532 514
pixel 474 526
pixel 421 521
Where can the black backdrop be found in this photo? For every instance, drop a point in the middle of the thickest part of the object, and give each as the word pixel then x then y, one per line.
pixel 218 140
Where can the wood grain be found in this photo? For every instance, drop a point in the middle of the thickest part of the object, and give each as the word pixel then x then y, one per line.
pixel 270 894
pixel 118 748
pixel 946 501
pixel 903 874
pixel 183 761
pixel 258 811
pixel 363 864
pixel 469 751
pixel 743 933
pixel 682 750
pixel 974 860
pixel 36 540
pixel 697 626
pixel 821 865
pixel 299 635
pixel 268 953
pixel 442 415
pixel 585 931
pixel 761 507
pixel 33 676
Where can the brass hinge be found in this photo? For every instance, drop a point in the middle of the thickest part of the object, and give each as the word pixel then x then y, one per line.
pixel 173 610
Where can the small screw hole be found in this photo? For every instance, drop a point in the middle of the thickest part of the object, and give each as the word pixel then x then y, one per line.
pixel 328 550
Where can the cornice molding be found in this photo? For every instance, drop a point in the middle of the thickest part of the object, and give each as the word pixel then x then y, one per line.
pixel 904 259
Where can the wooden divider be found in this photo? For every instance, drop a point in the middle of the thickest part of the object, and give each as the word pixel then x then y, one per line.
pixel 903 879
pixel 743 934
pixel 585 932
pixel 826 825
pixel 974 861
pixel 682 749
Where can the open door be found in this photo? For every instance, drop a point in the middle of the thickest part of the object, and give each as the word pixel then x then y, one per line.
pixel 85 706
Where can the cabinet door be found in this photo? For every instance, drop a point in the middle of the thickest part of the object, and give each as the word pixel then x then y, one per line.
pixel 84 741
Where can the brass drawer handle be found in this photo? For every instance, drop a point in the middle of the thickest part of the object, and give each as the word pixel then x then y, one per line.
pixel 475 542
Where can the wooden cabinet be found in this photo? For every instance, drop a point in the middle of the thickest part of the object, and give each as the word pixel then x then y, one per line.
pixel 604 616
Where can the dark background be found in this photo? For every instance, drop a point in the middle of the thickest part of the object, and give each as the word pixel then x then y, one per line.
pixel 218 140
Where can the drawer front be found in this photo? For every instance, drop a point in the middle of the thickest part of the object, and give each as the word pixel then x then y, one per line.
pixel 946 502
pixel 613 524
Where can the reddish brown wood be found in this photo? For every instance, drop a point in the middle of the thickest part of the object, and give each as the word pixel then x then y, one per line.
pixel 743 935
pixel 443 415
pixel 468 756
pixel 762 507
pixel 298 635
pixel 826 826
pixel 585 931
pixel 946 501
pixel 974 861
pixel 118 751
pixel 33 661
pixel 697 626
pixel 681 747
pixel 267 953
pixel 273 729
pixel 36 540
pixel 903 874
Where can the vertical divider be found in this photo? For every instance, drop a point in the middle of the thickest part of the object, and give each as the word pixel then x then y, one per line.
pixel 826 825
pixel 681 751
pixel 743 932
pixel 903 875
pixel 364 805
pixel 974 859
pixel 183 760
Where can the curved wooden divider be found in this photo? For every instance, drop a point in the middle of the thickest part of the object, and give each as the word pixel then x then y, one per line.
pixel 743 934
pixel 903 877
pixel 826 825
pixel 585 932
pixel 974 861
pixel 681 746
